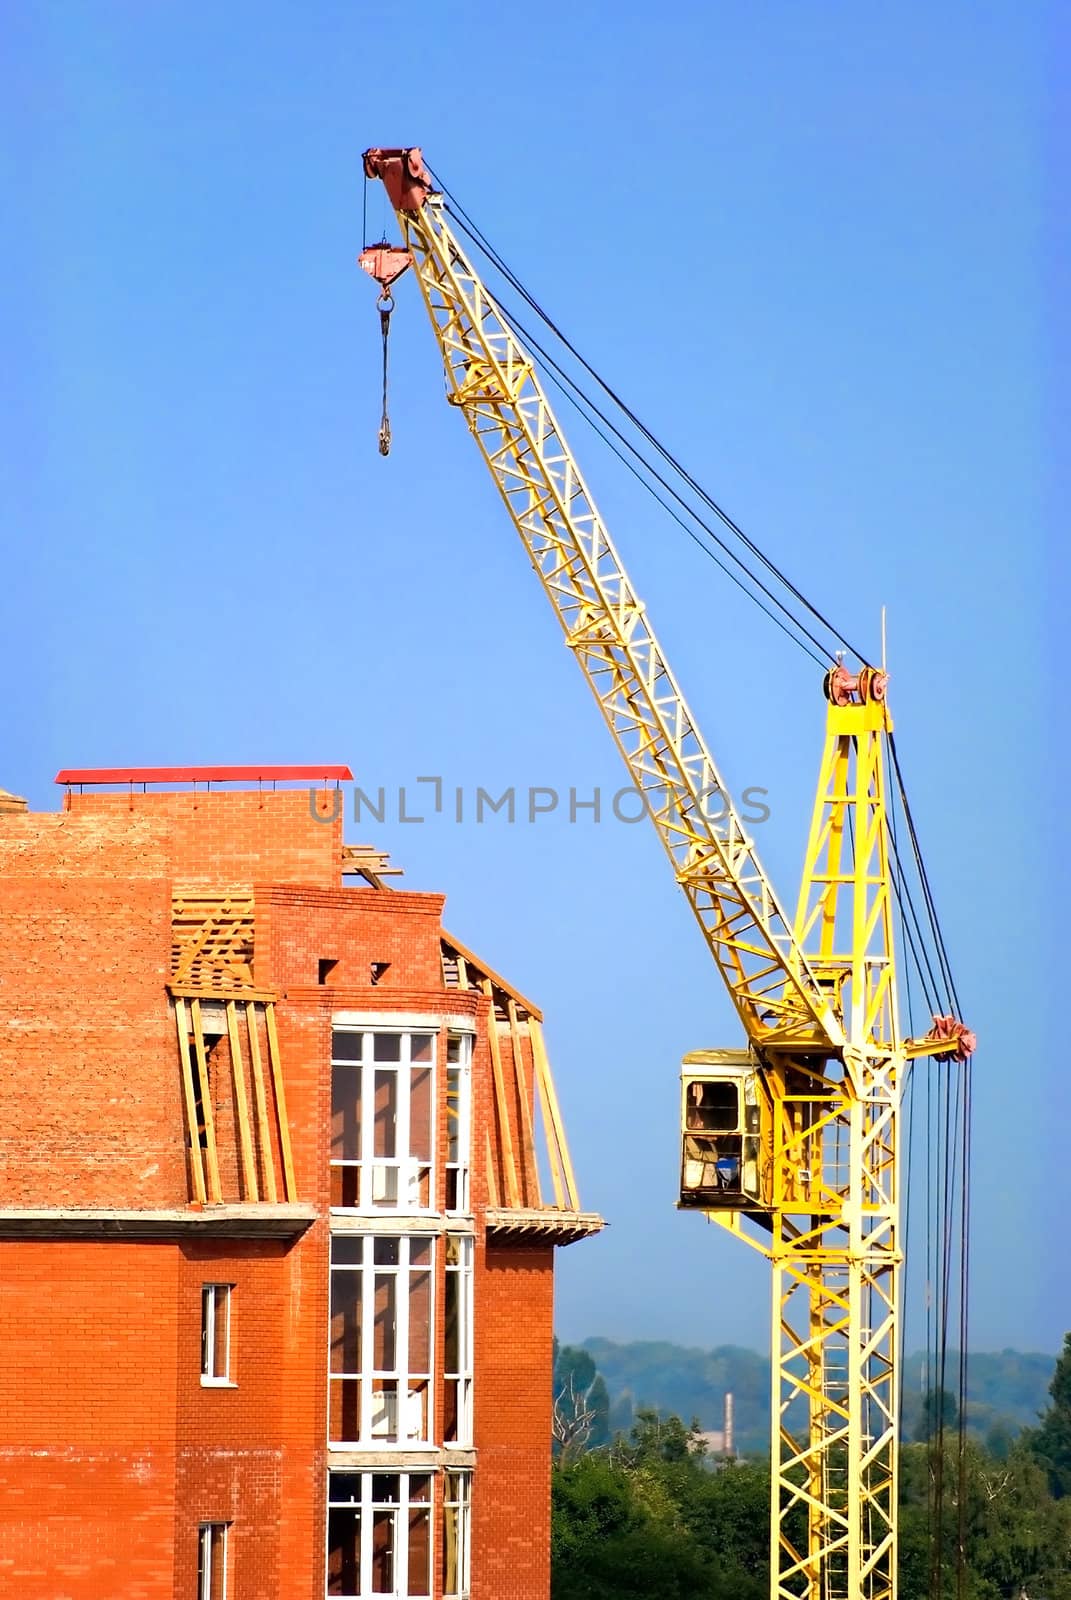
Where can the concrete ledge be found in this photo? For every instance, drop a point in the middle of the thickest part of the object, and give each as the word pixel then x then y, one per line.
pixel 557 1227
pixel 252 1221
pixel 402 1458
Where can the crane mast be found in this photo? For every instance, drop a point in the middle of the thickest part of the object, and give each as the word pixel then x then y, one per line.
pixel 809 1173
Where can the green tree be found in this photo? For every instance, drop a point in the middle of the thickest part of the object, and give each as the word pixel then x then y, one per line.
pixel 665 1440
pixel 1015 1536
pixel 1050 1444
pixel 728 1516
pixel 654 1518
pixel 617 1532
pixel 940 1413
pixel 581 1414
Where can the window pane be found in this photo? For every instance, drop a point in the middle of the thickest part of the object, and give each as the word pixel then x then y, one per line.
pixel 383 1552
pixel 384 1184
pixel 345 1114
pixel 386 1252
pixel 420 1252
pixel 384 1423
pixel 450 1419
pixel 420 1322
pixel 453 1112
pixel 387 1047
pixel 211 1560
pixel 419 1550
pixel 714 1106
pixel 386 1322
pixel 343 1551
pixel 207 1314
pixel 452 1354
pixel 420 1113
pixel 420 1046
pixel 346 1046
pixel 385 1488
pixel 415 1420
pixel 221 1330
pixel 345 1487
pixel 344 1423
pixel 345 1186
pixel 386 1127
pixel 346 1249
pixel 346 1321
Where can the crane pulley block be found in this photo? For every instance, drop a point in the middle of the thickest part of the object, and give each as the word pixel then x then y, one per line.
pixel 385 263
pixel 403 175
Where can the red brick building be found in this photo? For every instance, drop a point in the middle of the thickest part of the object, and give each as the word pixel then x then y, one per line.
pixel 281 1178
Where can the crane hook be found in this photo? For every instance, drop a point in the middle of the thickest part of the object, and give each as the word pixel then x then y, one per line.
pixel 386 306
pixel 384 262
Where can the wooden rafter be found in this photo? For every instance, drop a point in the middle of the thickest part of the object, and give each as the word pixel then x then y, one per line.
pixel 521 1082
pixel 364 861
pixel 212 941
pixel 212 946
pixel 458 958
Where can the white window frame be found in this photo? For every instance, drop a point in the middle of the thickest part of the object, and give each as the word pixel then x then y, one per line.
pixel 461 1071
pixel 461 1374
pixel 374 1172
pixel 401 1506
pixel 216 1301
pixel 460 1503
pixel 205 1559
pixel 415 1391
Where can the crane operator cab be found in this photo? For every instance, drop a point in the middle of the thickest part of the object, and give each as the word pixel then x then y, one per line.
pixel 721 1143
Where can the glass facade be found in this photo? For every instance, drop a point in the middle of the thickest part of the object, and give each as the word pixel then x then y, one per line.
pixel 401 1310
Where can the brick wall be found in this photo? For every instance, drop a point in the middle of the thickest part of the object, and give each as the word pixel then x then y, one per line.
pixel 111 1451
pixel 233 836
pixel 89 1096
pixel 511 1492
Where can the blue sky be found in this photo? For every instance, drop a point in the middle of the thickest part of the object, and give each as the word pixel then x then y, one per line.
pixel 816 247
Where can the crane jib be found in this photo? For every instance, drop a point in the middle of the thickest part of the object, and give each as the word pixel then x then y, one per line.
pixel 781 1004
pixel 794 1142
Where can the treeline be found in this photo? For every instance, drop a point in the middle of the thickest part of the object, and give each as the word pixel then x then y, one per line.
pixel 650 1515
pixel 1005 1389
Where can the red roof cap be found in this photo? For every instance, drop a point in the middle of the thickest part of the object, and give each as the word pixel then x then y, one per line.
pixel 322 774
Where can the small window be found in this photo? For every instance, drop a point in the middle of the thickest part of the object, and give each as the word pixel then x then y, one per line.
pixel 458 1119
pixel 457 1340
pixel 216 1334
pixel 212 1561
pixel 456 1539
pixel 714 1106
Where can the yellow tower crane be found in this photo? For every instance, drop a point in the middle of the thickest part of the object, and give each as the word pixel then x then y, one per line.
pixel 791 1143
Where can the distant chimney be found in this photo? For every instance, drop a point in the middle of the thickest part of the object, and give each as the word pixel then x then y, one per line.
pixel 728 1430
pixel 11 803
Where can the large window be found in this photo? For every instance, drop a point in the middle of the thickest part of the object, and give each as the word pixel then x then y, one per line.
pixel 457 1535
pixel 382 1119
pixel 381 1321
pixel 458 1120
pixel 379 1535
pixel 457 1340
